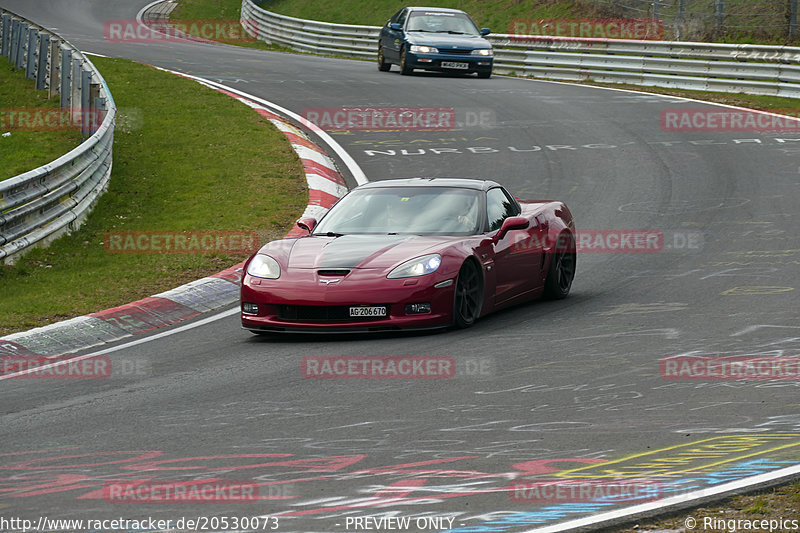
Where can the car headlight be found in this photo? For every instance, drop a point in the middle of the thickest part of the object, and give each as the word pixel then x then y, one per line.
pixel 420 266
pixel 416 49
pixel 263 266
pixel 483 52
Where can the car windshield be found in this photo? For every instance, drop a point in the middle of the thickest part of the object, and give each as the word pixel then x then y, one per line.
pixel 441 22
pixel 405 210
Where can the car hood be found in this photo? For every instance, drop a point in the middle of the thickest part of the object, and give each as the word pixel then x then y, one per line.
pixel 358 251
pixel 447 40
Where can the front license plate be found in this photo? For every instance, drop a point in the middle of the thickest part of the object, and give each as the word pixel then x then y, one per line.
pixel 454 64
pixel 367 311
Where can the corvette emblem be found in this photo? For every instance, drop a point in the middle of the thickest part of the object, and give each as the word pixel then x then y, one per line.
pixel 329 281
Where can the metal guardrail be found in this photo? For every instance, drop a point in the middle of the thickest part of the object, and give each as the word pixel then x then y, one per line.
pixel 309 35
pixel 42 204
pixel 743 68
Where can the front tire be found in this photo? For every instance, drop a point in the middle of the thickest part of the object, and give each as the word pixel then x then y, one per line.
pixel 468 298
pixel 562 268
pixel 405 70
pixel 485 74
pixel 383 66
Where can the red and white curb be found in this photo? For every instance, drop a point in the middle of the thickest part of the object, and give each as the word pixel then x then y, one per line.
pixel 325 187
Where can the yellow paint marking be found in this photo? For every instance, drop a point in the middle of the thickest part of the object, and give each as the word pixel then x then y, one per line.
pixel 691 457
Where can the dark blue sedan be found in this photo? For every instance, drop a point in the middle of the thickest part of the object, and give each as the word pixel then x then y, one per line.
pixel 434 38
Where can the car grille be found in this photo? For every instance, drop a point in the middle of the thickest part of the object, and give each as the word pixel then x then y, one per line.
pixel 333 272
pixel 461 51
pixel 322 313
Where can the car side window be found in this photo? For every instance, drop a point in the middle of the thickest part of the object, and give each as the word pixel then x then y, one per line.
pixel 395 17
pixel 402 18
pixel 499 207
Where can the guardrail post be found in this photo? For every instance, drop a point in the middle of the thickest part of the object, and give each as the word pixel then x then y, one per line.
pixel 720 14
pixel 655 9
pixel 5 44
pixel 41 68
pixel 54 70
pixel 86 110
pixel 30 66
pixel 75 88
pixel 95 109
pixel 792 18
pixel 65 90
pixel 22 35
pixel 15 26
pixel 99 105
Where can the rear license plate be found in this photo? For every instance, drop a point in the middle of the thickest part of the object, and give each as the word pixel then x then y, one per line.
pixel 454 64
pixel 368 311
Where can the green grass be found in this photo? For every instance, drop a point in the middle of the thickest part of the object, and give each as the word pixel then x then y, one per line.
pixel 207 10
pixel 494 14
pixel 759 506
pixel 25 150
pixel 779 503
pixel 185 158
pixel 228 11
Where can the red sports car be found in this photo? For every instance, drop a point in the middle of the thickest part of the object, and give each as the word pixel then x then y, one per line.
pixel 411 253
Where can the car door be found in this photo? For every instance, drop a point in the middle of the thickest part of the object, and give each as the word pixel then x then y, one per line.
pixel 391 39
pixel 517 255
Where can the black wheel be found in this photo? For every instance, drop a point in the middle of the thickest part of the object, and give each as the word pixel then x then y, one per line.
pixel 562 268
pixel 404 69
pixel 486 74
pixel 468 298
pixel 383 66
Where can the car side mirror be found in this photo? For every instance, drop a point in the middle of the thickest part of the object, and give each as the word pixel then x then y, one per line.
pixel 509 224
pixel 307 223
pixel 485 31
pixel 396 27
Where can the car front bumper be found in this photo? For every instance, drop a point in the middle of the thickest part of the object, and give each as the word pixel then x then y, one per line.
pixel 434 62
pixel 301 302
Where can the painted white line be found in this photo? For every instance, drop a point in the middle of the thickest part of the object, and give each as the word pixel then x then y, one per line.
pixel 661 505
pixel 180 329
pixel 140 14
pixel 661 95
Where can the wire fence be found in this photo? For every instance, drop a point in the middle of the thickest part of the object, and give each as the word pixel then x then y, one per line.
pixel 704 20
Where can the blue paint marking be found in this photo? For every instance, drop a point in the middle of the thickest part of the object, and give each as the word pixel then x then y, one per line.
pixel 567 510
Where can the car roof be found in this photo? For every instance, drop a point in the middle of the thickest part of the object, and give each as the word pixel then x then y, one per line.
pixel 460 183
pixel 440 9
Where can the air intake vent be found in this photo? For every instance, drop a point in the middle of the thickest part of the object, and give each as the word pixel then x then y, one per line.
pixel 333 272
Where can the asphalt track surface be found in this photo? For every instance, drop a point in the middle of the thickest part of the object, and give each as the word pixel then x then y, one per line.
pixel 541 389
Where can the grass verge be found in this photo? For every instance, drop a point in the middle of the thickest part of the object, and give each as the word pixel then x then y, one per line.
pixel 782 503
pixel 496 14
pixel 195 16
pixel 23 149
pixel 185 158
